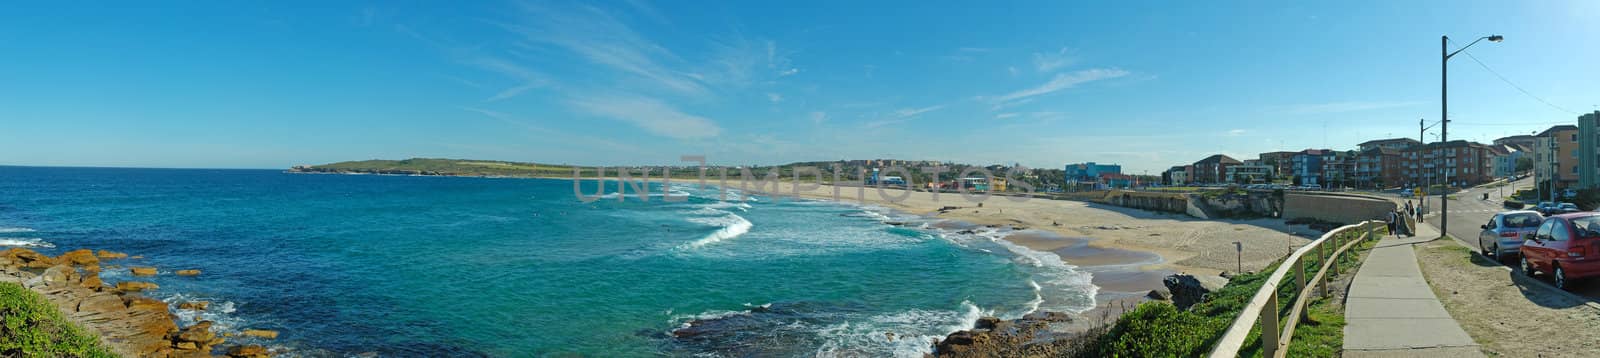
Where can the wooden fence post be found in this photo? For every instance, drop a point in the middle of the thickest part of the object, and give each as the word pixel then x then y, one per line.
pixel 1269 326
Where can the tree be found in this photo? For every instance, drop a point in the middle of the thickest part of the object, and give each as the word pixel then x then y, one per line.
pixel 1524 164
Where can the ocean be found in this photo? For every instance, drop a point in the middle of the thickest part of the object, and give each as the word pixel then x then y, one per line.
pixel 348 265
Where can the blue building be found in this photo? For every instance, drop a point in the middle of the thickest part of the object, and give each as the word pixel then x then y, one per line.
pixel 1307 167
pixel 1090 171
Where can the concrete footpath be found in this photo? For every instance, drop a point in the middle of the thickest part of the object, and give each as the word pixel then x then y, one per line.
pixel 1391 311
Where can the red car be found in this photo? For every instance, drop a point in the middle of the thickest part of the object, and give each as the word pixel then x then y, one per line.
pixel 1567 247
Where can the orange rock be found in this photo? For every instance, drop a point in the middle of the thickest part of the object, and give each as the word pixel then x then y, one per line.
pixel 92 280
pixel 82 257
pixel 188 346
pixel 261 333
pixel 188 272
pixel 198 333
pixel 143 271
pixel 136 286
pixel 108 255
pixel 250 351
pixel 102 303
pixel 194 305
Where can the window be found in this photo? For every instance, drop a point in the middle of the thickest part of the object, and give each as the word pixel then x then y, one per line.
pixel 1558 232
pixel 1523 220
pixel 1491 225
pixel 1587 227
pixel 1544 230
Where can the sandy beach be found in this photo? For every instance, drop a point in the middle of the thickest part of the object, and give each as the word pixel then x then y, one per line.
pixel 1145 245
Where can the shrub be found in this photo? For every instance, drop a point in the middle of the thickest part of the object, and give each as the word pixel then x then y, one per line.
pixel 34 328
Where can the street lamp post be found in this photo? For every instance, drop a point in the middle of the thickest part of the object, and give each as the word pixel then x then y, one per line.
pixel 1444 119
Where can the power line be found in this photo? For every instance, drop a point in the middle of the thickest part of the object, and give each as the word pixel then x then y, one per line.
pixel 1513 85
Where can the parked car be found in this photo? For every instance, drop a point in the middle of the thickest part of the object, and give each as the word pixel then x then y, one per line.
pixel 1566 247
pixel 1505 231
pixel 1545 208
pixel 1567 208
pixel 1513 204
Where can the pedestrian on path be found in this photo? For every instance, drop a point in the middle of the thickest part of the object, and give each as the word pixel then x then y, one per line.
pixel 1391 218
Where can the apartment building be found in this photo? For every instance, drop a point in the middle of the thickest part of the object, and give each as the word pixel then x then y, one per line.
pixel 1555 159
pixel 1455 163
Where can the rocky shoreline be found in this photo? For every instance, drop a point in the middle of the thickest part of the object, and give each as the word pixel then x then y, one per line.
pixel 128 322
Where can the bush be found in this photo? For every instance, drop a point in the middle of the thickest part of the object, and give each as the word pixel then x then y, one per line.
pixel 34 328
pixel 1158 329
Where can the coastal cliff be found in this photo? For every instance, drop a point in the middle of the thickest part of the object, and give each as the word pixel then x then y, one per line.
pixel 127 322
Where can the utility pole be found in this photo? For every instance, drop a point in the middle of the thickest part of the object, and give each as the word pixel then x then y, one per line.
pixel 1444 130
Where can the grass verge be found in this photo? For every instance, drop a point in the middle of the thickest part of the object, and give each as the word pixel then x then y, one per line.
pixel 33 327
pixel 1158 329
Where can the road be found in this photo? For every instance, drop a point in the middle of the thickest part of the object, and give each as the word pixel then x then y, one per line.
pixel 1470 210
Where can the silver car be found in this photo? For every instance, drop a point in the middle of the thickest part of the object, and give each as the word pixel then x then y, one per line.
pixel 1504 232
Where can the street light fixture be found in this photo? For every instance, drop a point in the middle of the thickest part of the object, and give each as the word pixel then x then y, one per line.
pixel 1444 119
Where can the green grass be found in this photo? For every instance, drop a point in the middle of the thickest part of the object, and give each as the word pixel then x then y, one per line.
pixel 34 328
pixel 1158 329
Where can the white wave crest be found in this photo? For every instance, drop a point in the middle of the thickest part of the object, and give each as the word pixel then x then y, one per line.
pixel 4 229
pixel 732 225
pixel 24 242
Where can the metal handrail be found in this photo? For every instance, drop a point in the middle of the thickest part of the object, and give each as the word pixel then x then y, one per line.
pixel 1263 307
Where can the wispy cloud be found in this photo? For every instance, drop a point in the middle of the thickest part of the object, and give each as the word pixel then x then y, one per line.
pixel 818 117
pixel 774 97
pixel 649 114
pixel 974 49
pixel 1341 107
pixel 600 38
pixel 1007 115
pixel 1236 132
pixel 902 115
pixel 1048 62
pixel 529 79
pixel 1060 82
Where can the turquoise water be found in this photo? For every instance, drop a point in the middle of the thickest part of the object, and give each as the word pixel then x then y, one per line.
pixel 433 266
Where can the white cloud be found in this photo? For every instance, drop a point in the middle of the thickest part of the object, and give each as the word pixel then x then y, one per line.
pixel 1047 62
pixel 1060 82
pixel 818 117
pixel 528 79
pixel 903 115
pixel 1006 115
pixel 649 114
pixel 1236 132
pixel 1013 70
pixel 600 38
pixel 774 97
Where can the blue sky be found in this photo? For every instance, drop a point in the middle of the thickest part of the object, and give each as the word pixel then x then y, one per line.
pixel 1147 85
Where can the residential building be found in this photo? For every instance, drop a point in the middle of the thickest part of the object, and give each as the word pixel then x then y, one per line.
pixel 1589 150
pixel 1555 159
pixel 1392 143
pixel 1379 167
pixel 1306 166
pixel 1282 162
pixel 1338 168
pixel 1255 173
pixel 1456 163
pixel 1506 157
pixel 1090 171
pixel 1177 175
pixel 1212 169
pixel 1524 140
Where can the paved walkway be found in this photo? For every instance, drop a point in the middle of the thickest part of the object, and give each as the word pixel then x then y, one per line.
pixel 1391 311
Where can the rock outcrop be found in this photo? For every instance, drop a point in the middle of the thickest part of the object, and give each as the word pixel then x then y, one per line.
pixel 133 325
pixel 187 272
pixel 1187 290
pixel 143 271
pixel 1029 336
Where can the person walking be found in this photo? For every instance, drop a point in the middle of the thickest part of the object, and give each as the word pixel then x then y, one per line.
pixel 1391 222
